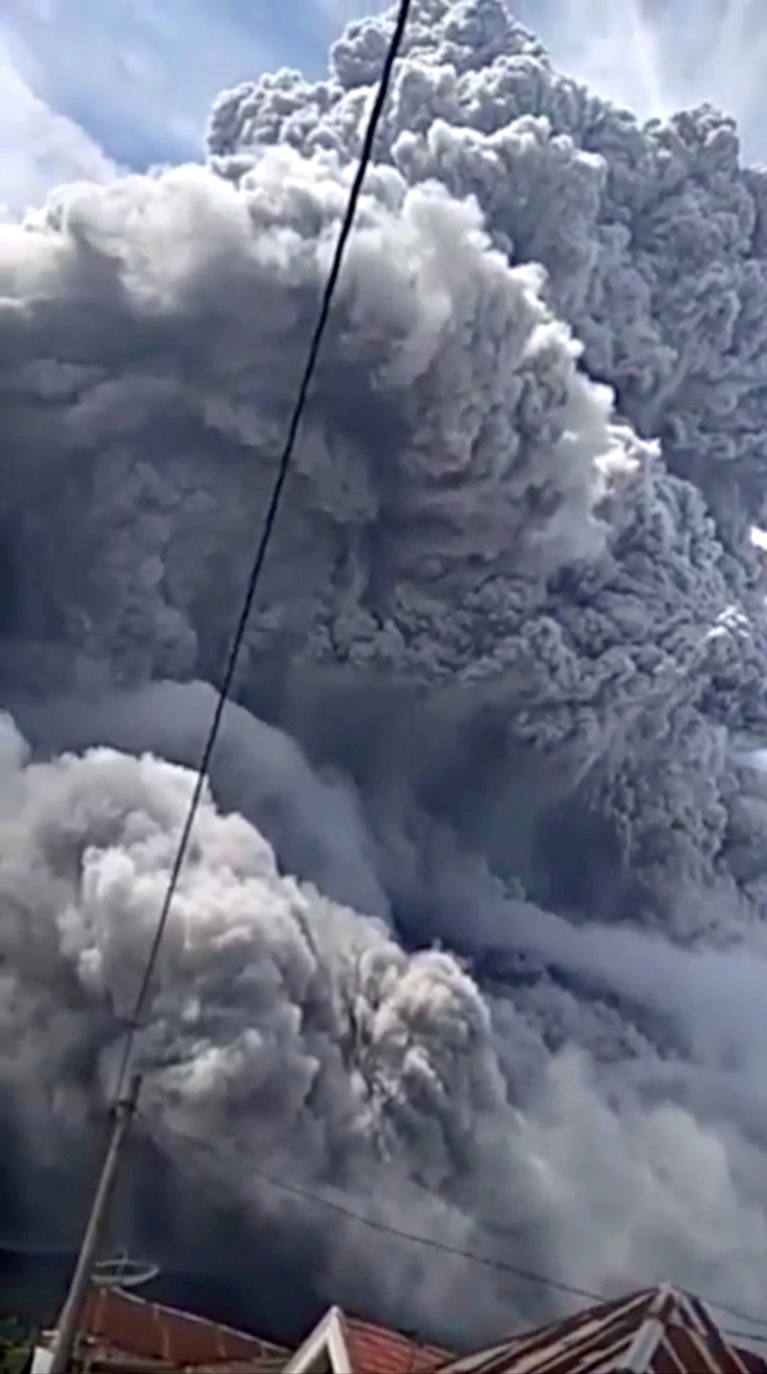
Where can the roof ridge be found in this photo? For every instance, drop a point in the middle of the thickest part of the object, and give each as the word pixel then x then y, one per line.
pixel 661 1326
pixel 650 1332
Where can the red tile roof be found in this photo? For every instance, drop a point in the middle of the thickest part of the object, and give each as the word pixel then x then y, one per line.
pixel 377 1350
pixel 119 1324
pixel 656 1331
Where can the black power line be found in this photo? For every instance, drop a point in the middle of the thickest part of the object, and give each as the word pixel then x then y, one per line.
pixel 124 1105
pixel 266 533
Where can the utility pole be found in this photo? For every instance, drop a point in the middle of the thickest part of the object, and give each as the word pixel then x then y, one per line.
pixel 72 1311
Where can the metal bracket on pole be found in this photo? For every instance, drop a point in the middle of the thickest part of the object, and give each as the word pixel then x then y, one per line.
pixel 72 1311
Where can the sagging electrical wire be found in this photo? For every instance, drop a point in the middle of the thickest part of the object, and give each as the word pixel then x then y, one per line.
pixel 494 1262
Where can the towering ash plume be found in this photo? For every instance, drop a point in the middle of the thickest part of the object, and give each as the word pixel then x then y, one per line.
pixel 473 930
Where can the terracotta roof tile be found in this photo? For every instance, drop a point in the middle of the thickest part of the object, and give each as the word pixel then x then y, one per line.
pixel 124 1324
pixel 376 1350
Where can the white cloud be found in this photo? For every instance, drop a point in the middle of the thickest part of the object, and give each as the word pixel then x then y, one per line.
pixel 41 148
pixel 140 75
pixel 614 49
pixel 143 92
pixel 340 12
pixel 657 56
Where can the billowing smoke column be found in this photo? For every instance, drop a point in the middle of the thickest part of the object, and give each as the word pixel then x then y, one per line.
pixel 473 931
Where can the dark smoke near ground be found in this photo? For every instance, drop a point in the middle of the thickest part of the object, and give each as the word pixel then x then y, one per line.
pixel 472 935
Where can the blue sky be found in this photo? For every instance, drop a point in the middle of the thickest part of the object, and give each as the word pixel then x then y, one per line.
pixel 90 85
